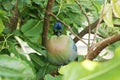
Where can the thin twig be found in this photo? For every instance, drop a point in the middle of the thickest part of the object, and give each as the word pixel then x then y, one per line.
pixel 101 36
pixel 68 27
pixel 59 8
pixel 5 42
pixel 97 27
pixel 83 11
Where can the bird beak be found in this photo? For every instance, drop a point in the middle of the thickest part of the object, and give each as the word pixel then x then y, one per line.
pixel 58 33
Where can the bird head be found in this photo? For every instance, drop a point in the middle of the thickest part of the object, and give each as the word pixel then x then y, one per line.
pixel 57 29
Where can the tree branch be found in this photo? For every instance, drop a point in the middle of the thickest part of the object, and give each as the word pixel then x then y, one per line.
pixel 14 19
pixel 46 22
pixel 98 47
pixel 117 25
pixel 86 30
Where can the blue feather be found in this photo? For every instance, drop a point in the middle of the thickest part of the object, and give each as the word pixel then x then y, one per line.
pixel 57 26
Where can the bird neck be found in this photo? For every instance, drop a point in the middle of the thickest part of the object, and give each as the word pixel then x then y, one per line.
pixel 58 33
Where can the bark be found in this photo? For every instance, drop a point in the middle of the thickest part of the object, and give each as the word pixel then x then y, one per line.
pixel 86 30
pixel 12 25
pixel 46 22
pixel 98 47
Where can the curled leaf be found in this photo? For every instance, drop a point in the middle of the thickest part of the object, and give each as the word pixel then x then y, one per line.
pixel 116 6
pixel 108 15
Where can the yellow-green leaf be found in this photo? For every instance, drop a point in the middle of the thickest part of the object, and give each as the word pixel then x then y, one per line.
pixel 1 26
pixel 90 70
pixel 116 7
pixel 108 15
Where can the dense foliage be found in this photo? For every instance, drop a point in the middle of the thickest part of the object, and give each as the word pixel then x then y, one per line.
pixel 22 55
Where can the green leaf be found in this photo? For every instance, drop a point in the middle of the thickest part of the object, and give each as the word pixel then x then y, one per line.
pixel 40 2
pixel 103 32
pixel 45 70
pixel 27 1
pixel 41 72
pixel 40 60
pixel 14 68
pixel 3 16
pixel 12 49
pixel 107 15
pixel 81 57
pixel 42 65
pixel 21 4
pixel 90 70
pixel 18 53
pixel 117 51
pixel 49 77
pixel 2 13
pixel 32 29
pixel 97 4
pixel 7 5
pixel 116 7
pixel 1 26
pixel 38 48
pixel 70 1
pixel 37 1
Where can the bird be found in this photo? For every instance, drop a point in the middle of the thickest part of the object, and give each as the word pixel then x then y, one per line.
pixel 61 49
